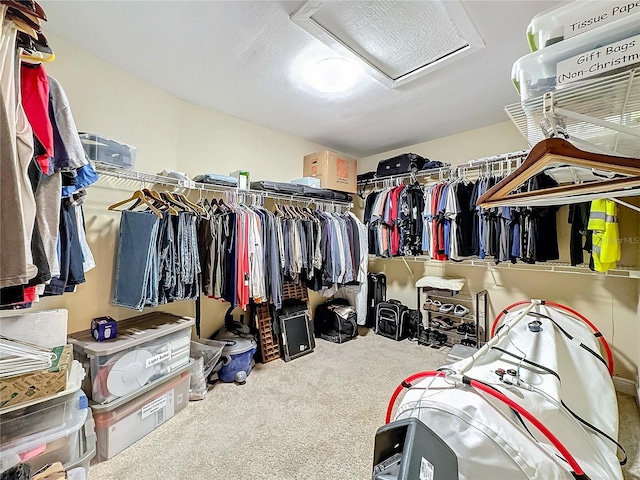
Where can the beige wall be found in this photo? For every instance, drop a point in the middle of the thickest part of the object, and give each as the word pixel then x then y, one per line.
pixel 610 303
pixel 169 133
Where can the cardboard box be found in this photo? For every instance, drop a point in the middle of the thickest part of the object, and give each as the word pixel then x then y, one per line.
pixel 335 171
pixel 31 386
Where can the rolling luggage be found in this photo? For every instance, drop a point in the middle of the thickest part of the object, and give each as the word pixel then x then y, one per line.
pixel 390 317
pixel 377 292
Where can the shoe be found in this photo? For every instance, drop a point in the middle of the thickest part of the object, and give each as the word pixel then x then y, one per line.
pixel 460 310
pixel 435 305
pixel 440 340
pixel 463 328
pixel 438 323
pixel 427 304
pixel 467 342
pixel 446 308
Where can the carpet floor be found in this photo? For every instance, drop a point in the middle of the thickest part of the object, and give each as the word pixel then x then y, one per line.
pixel 312 418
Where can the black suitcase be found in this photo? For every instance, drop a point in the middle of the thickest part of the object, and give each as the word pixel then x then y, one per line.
pixel 400 164
pixel 389 320
pixel 335 321
pixel 377 292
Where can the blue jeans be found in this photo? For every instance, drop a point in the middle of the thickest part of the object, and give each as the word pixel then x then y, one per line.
pixel 136 265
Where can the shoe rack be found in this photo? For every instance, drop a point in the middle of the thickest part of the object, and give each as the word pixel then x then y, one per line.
pixel 450 318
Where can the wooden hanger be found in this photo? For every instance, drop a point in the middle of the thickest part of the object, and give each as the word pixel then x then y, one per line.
pixel 194 206
pixel 137 195
pixel 157 202
pixel 555 152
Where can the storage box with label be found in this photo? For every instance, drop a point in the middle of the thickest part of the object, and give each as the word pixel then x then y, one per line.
pixel 146 349
pixel 335 171
pixel 576 17
pixel 42 383
pixel 122 423
pixel 604 51
pixel 60 430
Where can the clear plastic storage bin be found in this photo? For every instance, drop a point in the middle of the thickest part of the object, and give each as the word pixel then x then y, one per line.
pixel 58 430
pixel 122 423
pixel 146 349
pixel 576 17
pixel 105 150
pixel 603 51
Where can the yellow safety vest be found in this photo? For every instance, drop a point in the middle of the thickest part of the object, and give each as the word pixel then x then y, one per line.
pixel 603 221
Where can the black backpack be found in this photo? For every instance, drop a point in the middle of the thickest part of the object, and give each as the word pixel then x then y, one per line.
pixel 390 317
pixel 410 321
pixel 335 321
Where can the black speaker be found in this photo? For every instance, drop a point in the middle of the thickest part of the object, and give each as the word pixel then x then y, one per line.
pixel 296 335
pixel 407 449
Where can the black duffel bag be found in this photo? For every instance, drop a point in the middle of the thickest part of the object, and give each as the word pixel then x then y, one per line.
pixel 400 165
pixel 335 321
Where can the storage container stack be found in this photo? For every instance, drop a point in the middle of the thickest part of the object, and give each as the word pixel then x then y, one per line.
pixel 138 380
pixel 577 41
pixel 45 417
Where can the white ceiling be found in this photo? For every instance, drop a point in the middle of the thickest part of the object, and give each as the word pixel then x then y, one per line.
pixel 245 58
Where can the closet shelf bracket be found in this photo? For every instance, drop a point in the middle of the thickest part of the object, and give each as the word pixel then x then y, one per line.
pixel 551 110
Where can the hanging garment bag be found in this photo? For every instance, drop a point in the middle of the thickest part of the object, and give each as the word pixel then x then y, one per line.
pixel 389 320
pixel 377 292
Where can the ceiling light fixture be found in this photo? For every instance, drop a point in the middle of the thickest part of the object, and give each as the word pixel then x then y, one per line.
pixel 332 75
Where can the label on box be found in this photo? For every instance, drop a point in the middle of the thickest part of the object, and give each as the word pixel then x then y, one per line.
pixel 161 357
pixel 600 60
pixel 426 469
pixel 342 169
pixel 152 407
pixel 598 14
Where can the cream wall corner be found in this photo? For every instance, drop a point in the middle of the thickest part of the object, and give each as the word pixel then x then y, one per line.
pixel 169 133
pixel 612 304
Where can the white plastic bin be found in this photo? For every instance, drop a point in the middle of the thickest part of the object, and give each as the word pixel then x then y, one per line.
pixel 602 51
pixel 48 432
pixel 121 424
pixel 146 349
pixel 574 18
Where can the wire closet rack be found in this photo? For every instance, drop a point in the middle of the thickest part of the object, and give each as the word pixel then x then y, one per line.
pixel 244 195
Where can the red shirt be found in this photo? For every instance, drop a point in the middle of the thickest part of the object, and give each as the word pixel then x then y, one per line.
pixel 35 101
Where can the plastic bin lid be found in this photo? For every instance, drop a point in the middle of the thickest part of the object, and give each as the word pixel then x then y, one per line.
pixel 107 407
pixel 29 442
pixel 88 446
pixel 131 332
pixel 107 415
pixel 74 382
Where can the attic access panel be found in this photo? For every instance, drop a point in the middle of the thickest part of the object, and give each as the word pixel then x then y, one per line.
pixel 394 42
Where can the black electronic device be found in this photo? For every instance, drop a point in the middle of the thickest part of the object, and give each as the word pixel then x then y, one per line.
pixel 409 450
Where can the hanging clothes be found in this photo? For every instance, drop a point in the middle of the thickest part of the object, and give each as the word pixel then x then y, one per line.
pixel 603 222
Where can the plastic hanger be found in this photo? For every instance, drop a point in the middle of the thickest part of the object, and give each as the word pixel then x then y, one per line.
pixel 137 195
